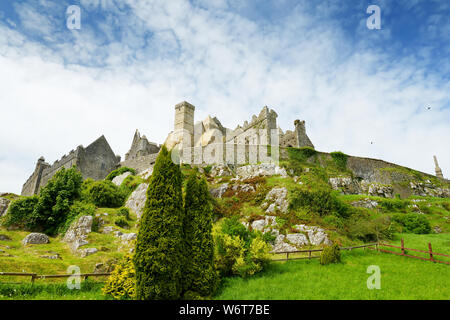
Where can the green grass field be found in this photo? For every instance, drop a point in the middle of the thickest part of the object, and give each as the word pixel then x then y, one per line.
pixel 401 278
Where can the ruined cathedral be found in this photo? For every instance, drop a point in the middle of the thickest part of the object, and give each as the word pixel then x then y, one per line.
pixel 197 141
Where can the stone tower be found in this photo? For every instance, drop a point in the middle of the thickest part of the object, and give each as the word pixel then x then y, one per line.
pixel 437 169
pixel 184 123
pixel 302 137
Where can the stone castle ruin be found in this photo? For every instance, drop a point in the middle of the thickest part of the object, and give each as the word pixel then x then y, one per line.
pixel 203 142
pixel 208 141
pixel 95 161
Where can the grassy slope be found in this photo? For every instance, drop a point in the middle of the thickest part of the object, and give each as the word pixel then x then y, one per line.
pixel 401 278
pixel 28 258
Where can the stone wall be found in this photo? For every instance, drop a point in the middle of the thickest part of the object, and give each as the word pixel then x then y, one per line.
pixel 140 164
pixel 95 161
pixel 31 186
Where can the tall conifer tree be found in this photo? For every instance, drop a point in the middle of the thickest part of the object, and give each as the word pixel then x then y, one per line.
pixel 159 252
pixel 200 276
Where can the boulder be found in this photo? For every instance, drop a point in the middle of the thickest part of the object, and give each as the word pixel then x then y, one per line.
pixel 87 252
pixel 35 238
pixel 260 170
pixel 4 237
pixel 128 236
pixel 263 224
pixel 136 201
pixel 346 185
pixel 77 233
pixel 297 239
pixel 219 191
pixel 4 205
pixel 365 203
pixel 119 179
pixel 316 235
pixel 275 200
pixel 220 171
pixel 282 246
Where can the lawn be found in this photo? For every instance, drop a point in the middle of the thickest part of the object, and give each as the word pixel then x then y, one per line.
pixel 401 277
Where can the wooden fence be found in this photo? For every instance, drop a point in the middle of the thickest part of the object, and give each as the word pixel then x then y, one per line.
pixel 34 276
pixel 310 251
pixel 429 252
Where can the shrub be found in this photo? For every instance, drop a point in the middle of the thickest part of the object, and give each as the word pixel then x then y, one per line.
pixel 413 223
pixel 159 253
pixel 122 222
pixel 19 213
pixel 340 159
pixel 129 184
pixel 199 275
pixel 393 204
pixel 321 200
pixel 118 172
pixel 369 230
pixel 331 254
pixel 121 283
pixel 268 237
pixel 104 194
pixel 239 251
pixel 301 154
pixel 124 212
pixel 52 208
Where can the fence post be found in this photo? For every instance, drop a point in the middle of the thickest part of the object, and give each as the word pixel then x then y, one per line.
pixel 430 250
pixel 403 247
pixel 32 278
pixel 309 254
pixel 287 255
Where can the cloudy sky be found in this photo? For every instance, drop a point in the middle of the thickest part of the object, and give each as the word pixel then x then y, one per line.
pixel 133 60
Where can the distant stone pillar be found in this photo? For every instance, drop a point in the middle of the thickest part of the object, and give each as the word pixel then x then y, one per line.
pixel 437 169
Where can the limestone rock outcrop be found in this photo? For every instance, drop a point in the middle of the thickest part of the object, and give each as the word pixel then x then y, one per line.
pixel 219 191
pixel 4 205
pixel 119 179
pixel 260 170
pixel 78 232
pixel 136 201
pixel 275 200
pixel 35 238
pixel 365 203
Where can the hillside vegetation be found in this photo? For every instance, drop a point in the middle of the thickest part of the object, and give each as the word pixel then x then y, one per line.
pixel 294 207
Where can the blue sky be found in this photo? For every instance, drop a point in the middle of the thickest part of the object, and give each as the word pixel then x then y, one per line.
pixel 132 61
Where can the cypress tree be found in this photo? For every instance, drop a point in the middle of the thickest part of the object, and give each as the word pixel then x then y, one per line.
pixel 200 276
pixel 159 252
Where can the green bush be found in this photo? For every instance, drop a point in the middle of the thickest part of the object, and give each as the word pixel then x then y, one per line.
pixel 48 211
pixel 124 212
pixel 369 230
pixel 118 172
pixel 321 200
pixel 19 213
pixel 394 204
pixel 130 184
pixel 413 223
pixel 331 254
pixel 199 275
pixel 159 253
pixel 104 194
pixel 121 283
pixel 121 222
pixel 301 154
pixel 340 159
pixel 238 252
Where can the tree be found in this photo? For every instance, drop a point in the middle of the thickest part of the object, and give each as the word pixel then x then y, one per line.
pixel 55 200
pixel 200 276
pixel 159 252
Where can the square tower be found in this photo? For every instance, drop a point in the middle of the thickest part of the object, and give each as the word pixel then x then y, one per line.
pixel 184 117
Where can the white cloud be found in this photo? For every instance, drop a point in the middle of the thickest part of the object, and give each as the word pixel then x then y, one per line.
pixel 226 65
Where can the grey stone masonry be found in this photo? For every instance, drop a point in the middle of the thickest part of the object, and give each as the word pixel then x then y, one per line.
pixel 95 161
